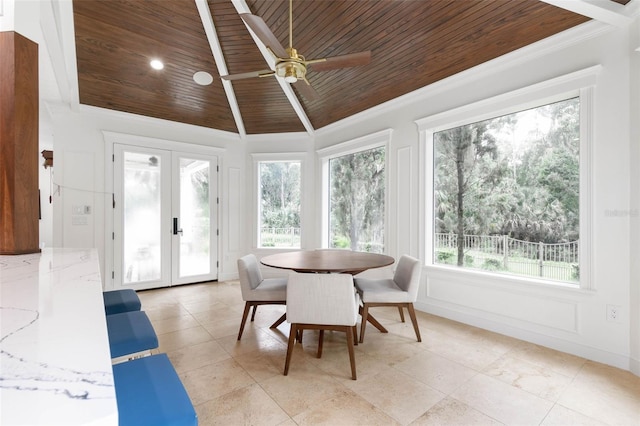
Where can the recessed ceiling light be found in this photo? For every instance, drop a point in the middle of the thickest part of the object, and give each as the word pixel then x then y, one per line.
pixel 156 64
pixel 203 78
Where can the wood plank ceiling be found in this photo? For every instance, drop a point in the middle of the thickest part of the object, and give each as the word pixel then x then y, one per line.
pixel 413 44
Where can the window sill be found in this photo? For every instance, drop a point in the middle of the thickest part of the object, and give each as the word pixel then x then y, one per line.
pixel 503 281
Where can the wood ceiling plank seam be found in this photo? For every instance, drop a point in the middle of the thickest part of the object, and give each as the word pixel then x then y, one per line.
pixel 363 70
pixel 241 54
pixel 132 72
pixel 153 29
pixel 160 89
pixel 463 41
pixel 469 17
pixel 167 91
pixel 180 11
pixel 317 21
pixel 365 38
pixel 444 69
pixel 396 51
pixel 322 44
pixel 398 20
pixel 473 17
pixel 105 35
pixel 251 99
pixel 139 107
pixel 400 30
pixel 276 12
pixel 549 22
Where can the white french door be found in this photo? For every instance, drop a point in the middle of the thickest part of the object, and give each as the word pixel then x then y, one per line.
pixel 165 217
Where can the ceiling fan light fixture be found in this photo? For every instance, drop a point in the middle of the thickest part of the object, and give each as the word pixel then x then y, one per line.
pixel 291 71
pixel 290 75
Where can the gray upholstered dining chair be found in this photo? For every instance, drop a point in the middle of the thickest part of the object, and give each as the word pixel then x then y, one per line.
pixel 400 291
pixel 257 290
pixel 322 302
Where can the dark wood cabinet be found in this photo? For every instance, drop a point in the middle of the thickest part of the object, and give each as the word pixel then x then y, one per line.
pixel 19 199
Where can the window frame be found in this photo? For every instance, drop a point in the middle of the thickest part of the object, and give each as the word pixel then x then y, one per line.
pixel 259 158
pixel 379 139
pixel 579 84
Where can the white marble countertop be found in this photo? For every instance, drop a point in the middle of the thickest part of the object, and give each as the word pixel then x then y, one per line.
pixel 55 364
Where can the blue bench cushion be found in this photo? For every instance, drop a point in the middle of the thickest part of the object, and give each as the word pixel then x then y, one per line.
pixel 149 392
pixel 119 301
pixel 130 332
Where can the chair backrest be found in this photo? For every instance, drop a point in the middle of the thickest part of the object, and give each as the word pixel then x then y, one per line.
pixel 328 299
pixel 407 275
pixel 249 272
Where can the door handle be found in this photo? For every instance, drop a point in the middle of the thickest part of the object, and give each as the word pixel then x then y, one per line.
pixel 176 230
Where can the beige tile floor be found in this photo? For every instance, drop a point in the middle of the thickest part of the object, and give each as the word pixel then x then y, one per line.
pixel 458 375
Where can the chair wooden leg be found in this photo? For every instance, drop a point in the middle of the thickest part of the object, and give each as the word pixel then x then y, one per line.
pixel 354 329
pixel 414 320
pixel 352 356
pixel 320 341
pixel 253 314
pixel 292 338
pixel 247 306
pixel 365 313
pixel 279 321
pixel 401 313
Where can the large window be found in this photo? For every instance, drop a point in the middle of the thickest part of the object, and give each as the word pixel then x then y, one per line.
pixel 357 200
pixel 506 193
pixel 279 204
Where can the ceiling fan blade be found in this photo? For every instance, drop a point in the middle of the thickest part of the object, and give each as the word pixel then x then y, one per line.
pixel 260 28
pixel 343 61
pixel 263 73
pixel 306 90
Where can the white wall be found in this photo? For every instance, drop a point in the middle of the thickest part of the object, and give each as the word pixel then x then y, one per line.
pixel 634 195
pixel 567 319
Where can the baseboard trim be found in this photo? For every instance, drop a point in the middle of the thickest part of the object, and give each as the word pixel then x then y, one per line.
pixel 594 354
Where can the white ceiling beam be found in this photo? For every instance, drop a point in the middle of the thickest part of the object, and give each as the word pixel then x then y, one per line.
pixel 241 7
pixel 605 11
pixel 49 29
pixel 221 64
pixel 62 51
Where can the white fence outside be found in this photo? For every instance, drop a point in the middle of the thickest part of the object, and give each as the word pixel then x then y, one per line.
pixel 502 253
pixel 280 237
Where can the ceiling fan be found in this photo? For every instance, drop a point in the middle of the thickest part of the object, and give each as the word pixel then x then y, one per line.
pixel 289 64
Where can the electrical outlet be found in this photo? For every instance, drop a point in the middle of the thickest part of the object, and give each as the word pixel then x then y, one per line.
pixel 614 313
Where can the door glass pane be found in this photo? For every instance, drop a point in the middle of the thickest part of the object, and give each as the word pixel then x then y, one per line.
pixel 142 213
pixel 195 217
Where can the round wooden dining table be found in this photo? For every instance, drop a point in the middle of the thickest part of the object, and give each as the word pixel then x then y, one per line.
pixel 327 261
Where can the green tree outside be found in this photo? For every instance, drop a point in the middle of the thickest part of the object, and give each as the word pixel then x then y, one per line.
pixel 357 200
pixel 516 175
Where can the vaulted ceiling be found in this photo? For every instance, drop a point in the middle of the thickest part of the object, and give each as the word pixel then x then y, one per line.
pixel 413 43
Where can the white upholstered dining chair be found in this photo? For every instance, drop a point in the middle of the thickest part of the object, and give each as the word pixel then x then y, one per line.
pixel 257 290
pixel 322 302
pixel 400 291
